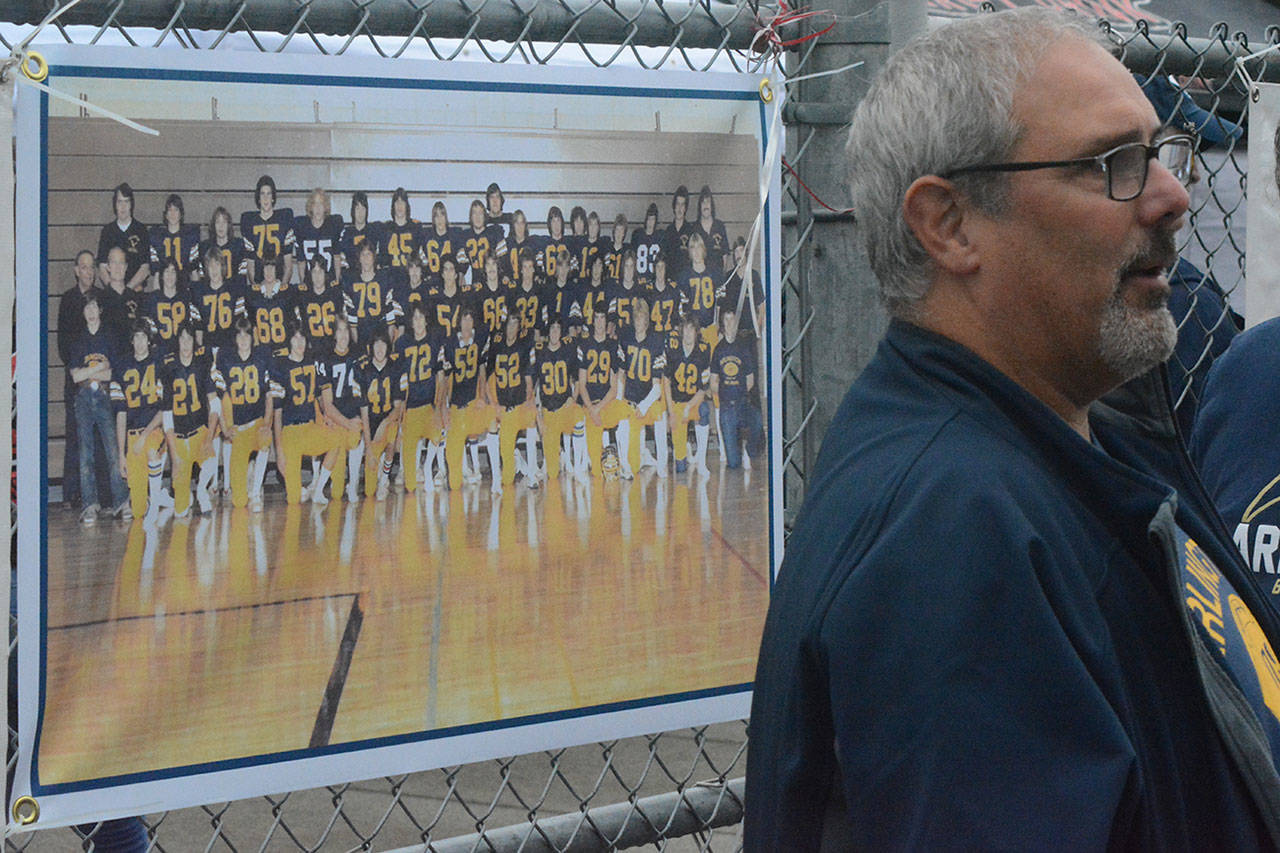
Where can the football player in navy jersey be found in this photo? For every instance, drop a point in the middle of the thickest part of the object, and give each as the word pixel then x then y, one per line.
pixel 299 429
pixel 749 306
pixel 526 300
pixel 413 290
pixel 701 289
pixel 563 298
pixel 598 370
pixel 623 292
pixel 590 248
pixel 169 308
pixel 447 302
pixel 440 241
pixel 647 242
pixel 493 212
pixel 174 240
pixel 242 377
pixel 733 378
pixel 341 398
pixel 676 238
pixel 380 412
pixel 318 234
pixel 267 232
pixel 712 232
pixel 130 236
pixel 220 306
pixel 271 308
pixel 421 356
pixel 402 235
pixel 320 303
pixel 616 247
pixel 559 414
pixel 479 242
pixel 642 361
pixel 519 245
pixel 357 232
pixel 468 412
pixel 137 390
pixel 664 301
pixel 595 292
pixel 554 243
pixel 492 299
pixel 190 422
pixel 369 297
pixel 510 373
pixel 577 237
pixel 231 252
pixel 688 371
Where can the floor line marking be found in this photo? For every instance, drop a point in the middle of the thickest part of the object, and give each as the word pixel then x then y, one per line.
pixel 177 613
pixel 338 678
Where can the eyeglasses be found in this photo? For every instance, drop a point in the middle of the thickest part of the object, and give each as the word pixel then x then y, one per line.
pixel 1125 165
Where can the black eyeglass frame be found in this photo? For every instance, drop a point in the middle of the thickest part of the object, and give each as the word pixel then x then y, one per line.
pixel 1102 161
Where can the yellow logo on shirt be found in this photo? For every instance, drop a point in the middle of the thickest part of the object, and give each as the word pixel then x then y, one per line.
pixel 1260 652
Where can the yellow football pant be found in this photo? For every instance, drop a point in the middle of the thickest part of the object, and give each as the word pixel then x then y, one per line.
pixel 137 461
pixel 347 441
pixel 510 423
pixel 554 425
pixel 636 437
pixel 194 449
pixel 475 418
pixel 248 438
pixel 299 440
pixel 419 423
pixel 682 415
pixel 610 416
pixel 373 455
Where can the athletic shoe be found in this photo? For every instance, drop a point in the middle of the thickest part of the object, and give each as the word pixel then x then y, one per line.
pixel 89 515
pixel 682 465
pixel 124 512
pixel 381 492
pixel 255 503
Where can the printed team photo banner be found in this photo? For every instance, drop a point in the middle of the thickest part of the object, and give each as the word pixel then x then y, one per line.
pixel 1262 250
pixel 390 415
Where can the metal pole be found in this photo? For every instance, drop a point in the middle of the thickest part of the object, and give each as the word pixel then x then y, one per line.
pixel 704 24
pixel 615 827
pixel 837 287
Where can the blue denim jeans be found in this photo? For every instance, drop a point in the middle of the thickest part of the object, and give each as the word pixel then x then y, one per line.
pixel 96 424
pixel 740 422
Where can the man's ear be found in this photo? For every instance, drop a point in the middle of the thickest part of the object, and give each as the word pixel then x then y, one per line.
pixel 937 213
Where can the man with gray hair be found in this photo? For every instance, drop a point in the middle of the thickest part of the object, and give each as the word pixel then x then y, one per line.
pixel 1008 616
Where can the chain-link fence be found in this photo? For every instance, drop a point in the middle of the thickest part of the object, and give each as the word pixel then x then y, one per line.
pixel 678 790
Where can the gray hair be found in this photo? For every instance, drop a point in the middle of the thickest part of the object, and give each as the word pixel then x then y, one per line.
pixel 944 101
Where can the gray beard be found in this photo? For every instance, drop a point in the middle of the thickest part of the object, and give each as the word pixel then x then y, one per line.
pixel 1132 340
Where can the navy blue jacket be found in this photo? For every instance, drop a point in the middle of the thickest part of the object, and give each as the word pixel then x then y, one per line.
pixel 977 637
pixel 1235 445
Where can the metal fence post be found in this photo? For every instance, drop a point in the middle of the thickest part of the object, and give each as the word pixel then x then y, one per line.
pixel 835 283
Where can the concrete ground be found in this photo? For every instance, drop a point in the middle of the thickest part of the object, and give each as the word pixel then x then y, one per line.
pixel 438 805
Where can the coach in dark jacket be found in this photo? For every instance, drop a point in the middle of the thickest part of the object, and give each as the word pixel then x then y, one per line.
pixel 1009 617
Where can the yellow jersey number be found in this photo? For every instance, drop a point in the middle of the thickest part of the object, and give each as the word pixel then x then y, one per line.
pixel 186 396
pixel 703 293
pixel 246 387
pixel 370 293
pixel 477 251
pixel 506 369
pixel 555 378
pixel 320 319
pixel 217 308
pixel 140 387
pixel 302 381
pixel 599 366
pixel 380 395
pixel 169 316
pixel 268 234
pixel 466 362
pixel 687 378
pixel 269 326
pixel 640 366
pixel 400 247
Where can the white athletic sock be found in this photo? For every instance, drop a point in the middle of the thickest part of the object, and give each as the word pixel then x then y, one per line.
pixel 217 459
pixel 317 486
pixel 531 452
pixel 495 461
pixel 157 497
pixel 580 460
pixel 702 435
pixel 660 442
pixel 208 468
pixel 259 473
pixel 226 463
pixel 624 447
pixel 355 456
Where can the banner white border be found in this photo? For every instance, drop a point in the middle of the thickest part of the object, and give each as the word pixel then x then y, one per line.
pixel 188 786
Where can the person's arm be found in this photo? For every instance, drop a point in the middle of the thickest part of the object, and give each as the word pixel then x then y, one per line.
pixel 139 280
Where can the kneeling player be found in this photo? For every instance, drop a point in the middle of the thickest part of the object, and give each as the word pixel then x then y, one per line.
pixel 468 412
pixel 242 375
pixel 685 389
pixel 299 431
pixel 380 413
pixel 597 387
pixel 341 398
pixel 190 422
pixel 138 394
pixel 511 388
pixel 421 358
pixel 642 357
pixel 559 414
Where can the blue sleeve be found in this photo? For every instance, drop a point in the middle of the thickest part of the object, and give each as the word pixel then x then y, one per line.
pixel 935 656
